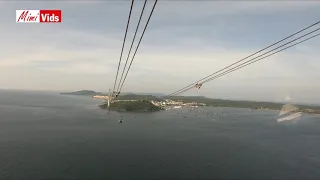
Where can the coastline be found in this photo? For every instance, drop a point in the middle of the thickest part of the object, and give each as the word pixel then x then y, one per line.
pixel 154 103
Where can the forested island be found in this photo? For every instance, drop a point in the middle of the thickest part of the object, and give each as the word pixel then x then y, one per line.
pixel 245 104
pixel 135 102
pixel 137 106
pixel 201 100
pixel 83 93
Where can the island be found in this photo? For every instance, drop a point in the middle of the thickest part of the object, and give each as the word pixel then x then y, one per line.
pixel 136 106
pixel 83 93
pixel 309 109
pixel 195 101
pixel 150 102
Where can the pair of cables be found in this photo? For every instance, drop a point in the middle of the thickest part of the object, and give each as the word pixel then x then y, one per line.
pixel 252 58
pixel 123 78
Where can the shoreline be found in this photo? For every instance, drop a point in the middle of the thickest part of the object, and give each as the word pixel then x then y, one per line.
pixel 192 101
pixel 161 108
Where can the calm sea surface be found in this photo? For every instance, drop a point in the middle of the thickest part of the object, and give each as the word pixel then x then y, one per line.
pixel 51 136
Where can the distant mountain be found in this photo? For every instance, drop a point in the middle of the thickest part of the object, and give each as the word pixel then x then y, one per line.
pixel 92 93
pixel 83 93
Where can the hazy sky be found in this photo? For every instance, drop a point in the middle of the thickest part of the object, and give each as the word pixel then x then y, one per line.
pixel 185 41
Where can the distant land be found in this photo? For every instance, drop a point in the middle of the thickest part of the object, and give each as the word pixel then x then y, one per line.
pixel 93 93
pixel 208 101
pixel 83 93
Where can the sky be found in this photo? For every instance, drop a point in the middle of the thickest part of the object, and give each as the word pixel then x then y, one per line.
pixel 185 41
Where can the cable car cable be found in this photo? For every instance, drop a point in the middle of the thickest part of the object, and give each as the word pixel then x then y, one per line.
pixel 248 62
pixel 138 44
pixel 134 37
pixel 191 85
pixel 124 40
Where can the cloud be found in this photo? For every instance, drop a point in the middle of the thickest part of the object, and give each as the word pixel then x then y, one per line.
pixel 184 42
pixel 69 51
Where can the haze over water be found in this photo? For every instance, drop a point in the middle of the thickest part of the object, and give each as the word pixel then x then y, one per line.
pixel 50 136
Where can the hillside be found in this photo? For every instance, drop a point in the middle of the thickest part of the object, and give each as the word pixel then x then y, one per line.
pixel 92 93
pixel 83 93
pixel 242 104
pixel 223 103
